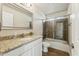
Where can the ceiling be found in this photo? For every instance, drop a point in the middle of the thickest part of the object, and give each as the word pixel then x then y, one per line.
pixel 48 8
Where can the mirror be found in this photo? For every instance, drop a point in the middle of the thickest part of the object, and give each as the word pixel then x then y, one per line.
pixel 7 19
pixel 14 17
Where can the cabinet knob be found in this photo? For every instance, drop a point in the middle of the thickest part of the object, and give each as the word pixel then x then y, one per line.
pixel 72 45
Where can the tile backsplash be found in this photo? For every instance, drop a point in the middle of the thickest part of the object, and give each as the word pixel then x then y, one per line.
pixel 13 32
pixel 10 34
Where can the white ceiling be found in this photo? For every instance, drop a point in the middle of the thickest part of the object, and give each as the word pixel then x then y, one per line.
pixel 48 8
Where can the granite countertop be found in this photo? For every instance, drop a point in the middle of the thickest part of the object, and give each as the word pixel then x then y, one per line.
pixel 8 45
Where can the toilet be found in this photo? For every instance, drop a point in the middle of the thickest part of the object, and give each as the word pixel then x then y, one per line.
pixel 45 46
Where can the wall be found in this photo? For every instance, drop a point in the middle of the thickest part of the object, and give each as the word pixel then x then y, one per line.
pixel 70 27
pixel 74 28
pixel 38 17
pixel 38 27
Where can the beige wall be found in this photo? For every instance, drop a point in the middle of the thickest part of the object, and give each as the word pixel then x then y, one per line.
pixel 38 17
pixel 70 27
pixel 74 28
pixel 38 27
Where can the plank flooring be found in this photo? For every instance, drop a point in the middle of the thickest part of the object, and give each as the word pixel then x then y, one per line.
pixel 55 52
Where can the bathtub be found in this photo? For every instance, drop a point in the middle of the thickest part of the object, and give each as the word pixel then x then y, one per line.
pixel 58 44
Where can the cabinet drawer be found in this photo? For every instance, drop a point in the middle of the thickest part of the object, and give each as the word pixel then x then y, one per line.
pixel 27 53
pixel 36 42
pixel 35 48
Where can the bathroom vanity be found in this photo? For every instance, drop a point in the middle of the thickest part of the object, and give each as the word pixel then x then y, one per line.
pixel 16 20
pixel 29 46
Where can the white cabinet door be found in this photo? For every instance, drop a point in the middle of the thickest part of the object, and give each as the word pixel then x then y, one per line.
pixel 15 52
pixel 40 49
pixel 37 50
pixel 27 53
